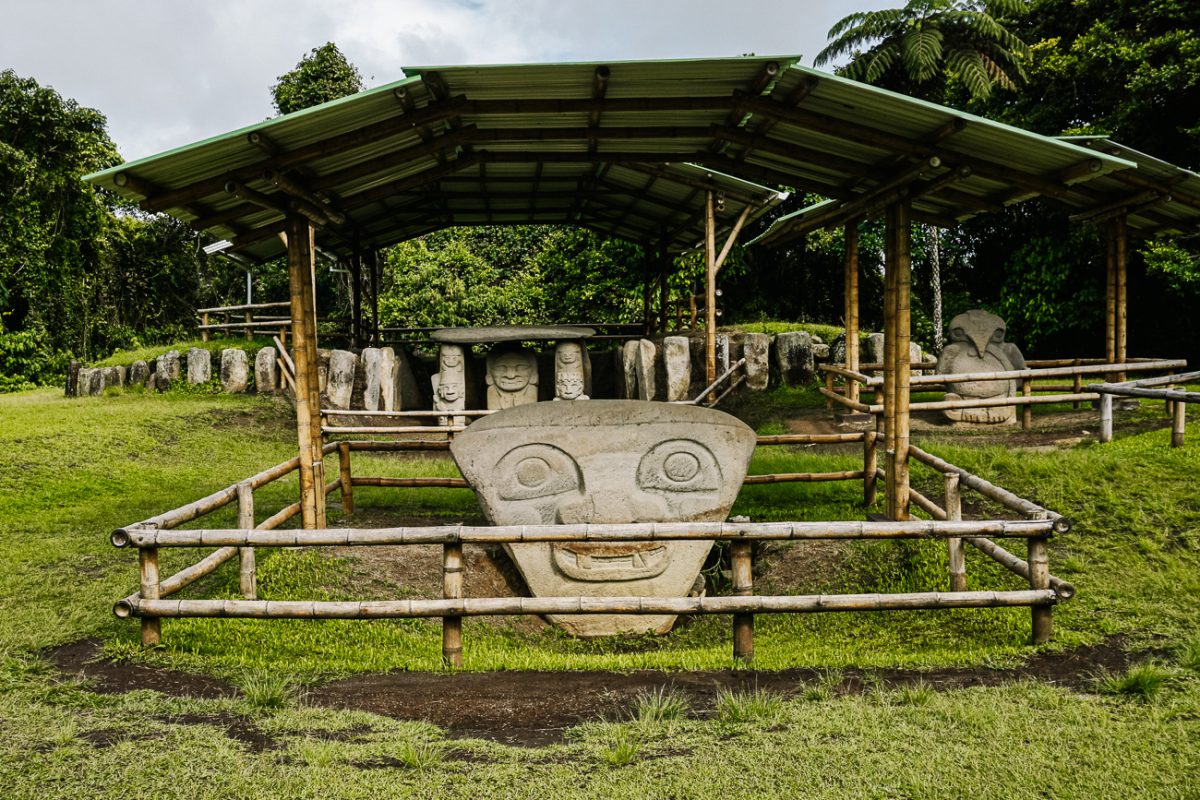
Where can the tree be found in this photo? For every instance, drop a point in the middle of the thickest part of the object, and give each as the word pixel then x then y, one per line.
pixel 917 48
pixel 322 75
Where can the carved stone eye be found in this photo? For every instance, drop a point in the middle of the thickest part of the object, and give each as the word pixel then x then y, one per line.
pixel 679 465
pixel 536 470
pixel 998 335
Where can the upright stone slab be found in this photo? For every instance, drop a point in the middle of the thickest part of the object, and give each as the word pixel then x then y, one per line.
pixel 722 352
pixel 837 349
pixel 114 376
pixel 72 388
pixel 915 356
pixel 372 358
pixel 647 384
pixel 756 349
pixel 387 379
pixel 199 365
pixel 266 370
pixel 407 390
pixel 606 461
pixel 875 348
pixel 628 371
pixel 794 358
pixel 167 370
pixel 450 383
pixel 235 371
pixel 340 385
pixel 83 382
pixel 139 373
pixel 572 372
pixel 677 358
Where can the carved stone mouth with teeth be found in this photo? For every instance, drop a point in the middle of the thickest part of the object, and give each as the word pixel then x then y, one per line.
pixel 606 461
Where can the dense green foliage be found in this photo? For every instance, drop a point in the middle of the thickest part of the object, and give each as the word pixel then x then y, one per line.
pixel 322 75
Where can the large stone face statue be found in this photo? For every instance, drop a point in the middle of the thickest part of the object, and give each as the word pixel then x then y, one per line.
pixel 571 372
pixel 512 378
pixel 977 345
pixel 450 383
pixel 606 461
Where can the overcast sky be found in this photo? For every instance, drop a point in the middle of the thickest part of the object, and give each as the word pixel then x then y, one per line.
pixel 169 72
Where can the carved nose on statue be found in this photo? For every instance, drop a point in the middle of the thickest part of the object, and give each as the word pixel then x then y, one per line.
pixel 981 342
pixel 617 506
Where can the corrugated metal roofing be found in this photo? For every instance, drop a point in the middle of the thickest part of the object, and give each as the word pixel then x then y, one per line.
pixel 627 148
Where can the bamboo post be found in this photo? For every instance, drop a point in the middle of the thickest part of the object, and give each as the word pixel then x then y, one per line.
pixel 710 291
pixel 870 467
pixel 248 570
pixel 954 545
pixel 300 267
pixel 900 263
pixel 248 318
pixel 1110 293
pixel 1178 421
pixel 1122 235
pixel 1027 411
pixel 347 483
pixel 1106 417
pixel 204 326
pixel 150 588
pixel 829 390
pixel 851 310
pixel 1039 578
pixel 743 586
pixel 314 385
pixel 889 372
pixel 1077 385
pixel 452 589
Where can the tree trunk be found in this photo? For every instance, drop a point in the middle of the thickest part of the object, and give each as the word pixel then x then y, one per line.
pixel 935 268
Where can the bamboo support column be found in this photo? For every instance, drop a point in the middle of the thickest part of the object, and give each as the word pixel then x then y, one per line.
pixel 452 589
pixel 710 291
pixel 1178 421
pixel 347 485
pixel 247 567
pixel 300 269
pixel 851 310
pixel 356 332
pixel 897 337
pixel 203 326
pixel 743 586
pixel 1039 578
pixel 150 590
pixel 1110 293
pixel 1027 411
pixel 889 373
pixel 870 466
pixel 1122 236
pixel 1106 417
pixel 248 318
pixel 954 545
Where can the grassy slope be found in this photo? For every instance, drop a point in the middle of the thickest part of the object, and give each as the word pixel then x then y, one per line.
pixel 70 470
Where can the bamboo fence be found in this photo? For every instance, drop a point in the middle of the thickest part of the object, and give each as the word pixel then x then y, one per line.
pixel 1176 400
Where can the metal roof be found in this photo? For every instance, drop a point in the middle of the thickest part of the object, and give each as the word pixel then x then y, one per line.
pixel 1159 197
pixel 627 148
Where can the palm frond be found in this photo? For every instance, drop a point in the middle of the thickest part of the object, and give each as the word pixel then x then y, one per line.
pixel 969 66
pixel 922 48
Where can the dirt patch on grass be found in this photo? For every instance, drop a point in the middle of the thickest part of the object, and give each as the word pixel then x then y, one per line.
pixel 533 709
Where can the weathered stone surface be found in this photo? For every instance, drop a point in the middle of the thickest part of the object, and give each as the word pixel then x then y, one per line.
pixel 606 461
pixel 83 383
pixel 407 391
pixel 976 344
pixel 340 386
pixel 820 352
pixel 265 370
pixel 794 358
pixel 235 370
pixel 572 372
pixel 647 385
pixel 322 368
pixel 512 378
pixel 387 379
pixel 494 334
pixel 372 367
pixel 722 352
pixel 874 348
pixel 628 373
pixel 677 358
pixel 756 349
pixel 167 370
pixel 450 382
pixel 199 365
pixel 72 388
pixel 113 376
pixel 837 349
pixel 139 373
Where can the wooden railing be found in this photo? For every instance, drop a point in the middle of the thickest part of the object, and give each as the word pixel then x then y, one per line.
pixel 1175 399
pixel 1032 393
pixel 251 319
pixel 151 604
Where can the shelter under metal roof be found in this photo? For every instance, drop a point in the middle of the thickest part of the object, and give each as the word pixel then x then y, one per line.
pixel 627 148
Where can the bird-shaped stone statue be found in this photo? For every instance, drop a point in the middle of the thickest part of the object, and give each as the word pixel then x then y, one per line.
pixel 977 345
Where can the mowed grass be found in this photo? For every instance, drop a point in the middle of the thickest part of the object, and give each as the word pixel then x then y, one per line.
pixel 73 469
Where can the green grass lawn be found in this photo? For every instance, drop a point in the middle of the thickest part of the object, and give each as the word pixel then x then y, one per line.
pixel 73 469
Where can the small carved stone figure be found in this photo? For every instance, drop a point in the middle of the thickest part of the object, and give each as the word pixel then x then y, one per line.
pixel 570 372
pixel 977 345
pixel 606 461
pixel 450 384
pixel 512 378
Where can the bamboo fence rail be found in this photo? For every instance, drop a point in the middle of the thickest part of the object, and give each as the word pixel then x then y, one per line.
pixel 1176 400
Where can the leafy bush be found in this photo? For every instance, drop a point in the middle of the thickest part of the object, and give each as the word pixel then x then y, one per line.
pixel 27 360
